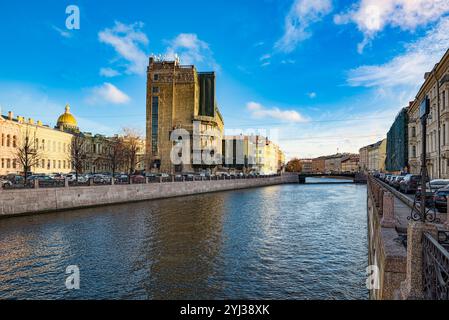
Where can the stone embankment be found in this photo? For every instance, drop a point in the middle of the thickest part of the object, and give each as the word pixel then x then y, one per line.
pixel 41 200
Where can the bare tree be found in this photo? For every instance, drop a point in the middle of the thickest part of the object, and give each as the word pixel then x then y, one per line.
pixel 28 153
pixel 115 155
pixel 132 144
pixel 78 153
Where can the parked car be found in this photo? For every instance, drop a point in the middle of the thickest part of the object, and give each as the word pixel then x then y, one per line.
pixel 102 179
pixel 387 178
pixel 138 179
pixel 4 183
pixel 440 199
pixel 15 179
pixel 122 178
pixel 437 184
pixel 410 183
pixel 397 182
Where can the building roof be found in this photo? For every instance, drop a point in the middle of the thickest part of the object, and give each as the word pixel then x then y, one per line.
pixel 67 119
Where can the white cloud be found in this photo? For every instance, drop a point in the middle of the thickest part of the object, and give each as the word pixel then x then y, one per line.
pixel 408 68
pixel 127 41
pixel 191 50
pixel 312 95
pixel 62 33
pixel 302 15
pixel 107 93
pixel 109 72
pixel 372 16
pixel 258 111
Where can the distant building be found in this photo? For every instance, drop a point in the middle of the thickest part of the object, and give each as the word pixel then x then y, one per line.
pixel 397 144
pixel 179 97
pixel 364 158
pixel 10 135
pixel 239 153
pixel 333 163
pixel 377 154
pixel 319 165
pixel 53 144
pixel 306 165
pixel 350 164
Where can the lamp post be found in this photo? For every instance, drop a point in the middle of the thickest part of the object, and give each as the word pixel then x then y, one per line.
pixel 424 111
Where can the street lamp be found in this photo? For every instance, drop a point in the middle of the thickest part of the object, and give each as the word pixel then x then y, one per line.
pixel 424 110
pixel 422 214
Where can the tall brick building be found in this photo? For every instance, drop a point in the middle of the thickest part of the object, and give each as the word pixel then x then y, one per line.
pixel 177 97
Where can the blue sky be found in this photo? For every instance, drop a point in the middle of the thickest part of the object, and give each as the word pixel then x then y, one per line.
pixel 320 76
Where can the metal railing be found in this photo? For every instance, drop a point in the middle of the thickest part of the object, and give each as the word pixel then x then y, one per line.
pixel 435 269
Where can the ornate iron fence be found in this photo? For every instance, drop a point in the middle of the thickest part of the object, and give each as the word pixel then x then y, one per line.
pixel 435 269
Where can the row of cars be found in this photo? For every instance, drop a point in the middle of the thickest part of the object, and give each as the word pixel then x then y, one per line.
pixel 13 180
pixel 437 190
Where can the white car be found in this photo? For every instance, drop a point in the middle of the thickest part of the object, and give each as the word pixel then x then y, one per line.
pixel 5 183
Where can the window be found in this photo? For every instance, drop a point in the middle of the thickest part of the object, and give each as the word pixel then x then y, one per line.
pixel 8 140
pixel 444 134
pixel 154 124
pixel 155 89
pixel 413 132
pixel 8 163
pixel 43 163
pixel 156 77
pixel 3 139
pixel 14 141
pixel 14 163
pixel 444 100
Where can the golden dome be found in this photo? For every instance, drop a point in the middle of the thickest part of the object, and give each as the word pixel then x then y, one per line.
pixel 67 119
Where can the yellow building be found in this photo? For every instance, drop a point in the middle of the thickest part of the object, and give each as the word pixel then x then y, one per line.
pixel 182 99
pixel 269 157
pixel 436 89
pixel 10 135
pixel 377 154
pixel 53 145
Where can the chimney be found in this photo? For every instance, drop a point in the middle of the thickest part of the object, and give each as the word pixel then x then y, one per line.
pixel 10 115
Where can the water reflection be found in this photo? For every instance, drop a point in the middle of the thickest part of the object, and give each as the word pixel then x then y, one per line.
pixel 280 242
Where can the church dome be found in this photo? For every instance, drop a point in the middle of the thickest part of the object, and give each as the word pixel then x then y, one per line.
pixel 67 120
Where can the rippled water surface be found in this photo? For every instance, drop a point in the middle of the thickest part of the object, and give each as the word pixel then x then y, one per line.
pixel 280 242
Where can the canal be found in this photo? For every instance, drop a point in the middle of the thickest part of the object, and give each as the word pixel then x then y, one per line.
pixel 280 242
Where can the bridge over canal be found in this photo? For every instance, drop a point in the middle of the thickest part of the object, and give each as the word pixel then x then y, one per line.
pixel 344 177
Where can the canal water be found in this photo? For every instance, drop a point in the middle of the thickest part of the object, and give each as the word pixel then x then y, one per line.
pixel 279 242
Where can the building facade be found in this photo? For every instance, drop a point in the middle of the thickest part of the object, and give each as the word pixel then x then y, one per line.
pixel 333 163
pixel 350 164
pixel 397 144
pixel 436 89
pixel 10 134
pixel 306 165
pixel 181 105
pixel 363 158
pixel 377 154
pixel 319 165
pixel 52 144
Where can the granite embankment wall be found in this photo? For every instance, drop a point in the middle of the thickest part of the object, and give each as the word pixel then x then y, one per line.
pixel 386 251
pixel 31 201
